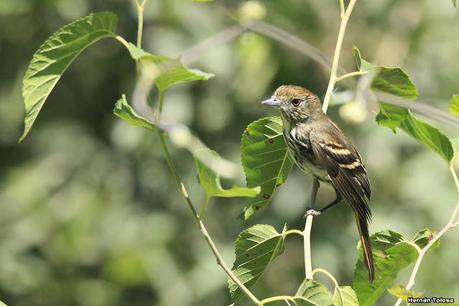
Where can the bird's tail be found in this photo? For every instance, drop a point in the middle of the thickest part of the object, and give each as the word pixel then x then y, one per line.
pixel 362 225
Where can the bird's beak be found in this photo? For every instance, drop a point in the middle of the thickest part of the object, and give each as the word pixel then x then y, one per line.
pixel 271 102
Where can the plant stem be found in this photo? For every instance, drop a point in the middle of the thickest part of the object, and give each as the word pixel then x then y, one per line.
pixel 173 170
pixel 293 231
pixel 345 15
pixel 342 8
pixel 451 223
pixel 350 74
pixel 339 44
pixel 330 276
pixel 276 299
pixel 196 216
pixel 140 10
pixel 307 231
pixel 307 247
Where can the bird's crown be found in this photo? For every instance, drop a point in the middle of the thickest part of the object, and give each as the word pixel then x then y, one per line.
pixel 287 92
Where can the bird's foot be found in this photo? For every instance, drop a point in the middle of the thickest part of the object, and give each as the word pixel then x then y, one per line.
pixel 312 212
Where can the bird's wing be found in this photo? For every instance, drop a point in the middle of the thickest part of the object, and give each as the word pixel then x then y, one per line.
pixel 335 153
pixel 344 166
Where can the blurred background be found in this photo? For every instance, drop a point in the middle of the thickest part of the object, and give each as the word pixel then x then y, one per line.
pixel 89 214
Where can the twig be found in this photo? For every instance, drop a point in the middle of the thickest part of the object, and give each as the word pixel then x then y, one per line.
pixel 293 231
pixel 176 176
pixel 342 8
pixel 303 47
pixel 330 276
pixel 196 216
pixel 276 299
pixel 307 247
pixel 140 10
pixel 331 85
pixel 335 63
pixel 226 35
pixel 451 223
pixel 291 41
pixel 307 230
pixel 201 225
pixel 350 74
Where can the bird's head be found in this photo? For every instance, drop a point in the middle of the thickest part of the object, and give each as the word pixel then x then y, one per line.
pixel 296 103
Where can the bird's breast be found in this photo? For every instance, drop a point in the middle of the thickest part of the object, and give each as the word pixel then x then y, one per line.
pixel 300 151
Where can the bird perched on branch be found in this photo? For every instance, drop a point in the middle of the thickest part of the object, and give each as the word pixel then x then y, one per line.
pixel 320 148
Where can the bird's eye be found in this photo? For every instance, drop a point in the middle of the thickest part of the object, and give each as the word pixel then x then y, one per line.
pixel 296 102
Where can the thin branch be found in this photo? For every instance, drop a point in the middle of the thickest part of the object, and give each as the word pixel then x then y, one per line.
pixel 342 8
pixel 293 231
pixel 201 225
pixel 291 41
pixel 303 47
pixel 335 282
pixel 226 35
pixel 307 230
pixel 140 11
pixel 173 169
pixel 448 226
pixel 277 299
pixel 350 74
pixel 307 247
pixel 331 85
pixel 335 63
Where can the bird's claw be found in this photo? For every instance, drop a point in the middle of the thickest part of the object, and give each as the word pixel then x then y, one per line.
pixel 312 212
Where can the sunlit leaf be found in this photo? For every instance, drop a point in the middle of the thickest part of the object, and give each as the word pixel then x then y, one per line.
pixel 256 248
pixel 124 111
pixel 423 237
pixel 392 80
pixel 2 304
pixel 313 293
pixel 399 117
pixel 210 182
pixel 391 254
pixel 165 71
pixel 52 59
pixel 391 116
pixel 401 292
pixel 348 294
pixel 265 160
pixel 454 105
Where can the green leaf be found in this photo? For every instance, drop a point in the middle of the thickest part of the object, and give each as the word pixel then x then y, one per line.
pixel 454 105
pixel 256 248
pixel 210 182
pixel 124 111
pixel 165 71
pixel 388 79
pixel 348 294
pixel 52 59
pixel 424 236
pixel 265 160
pixel 454 2
pixel 391 254
pixel 399 117
pixel 313 293
pixel 391 116
pixel 401 292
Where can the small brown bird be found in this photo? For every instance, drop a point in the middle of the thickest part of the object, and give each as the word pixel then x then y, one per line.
pixel 320 148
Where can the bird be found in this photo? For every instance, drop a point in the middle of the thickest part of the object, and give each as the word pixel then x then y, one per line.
pixel 319 147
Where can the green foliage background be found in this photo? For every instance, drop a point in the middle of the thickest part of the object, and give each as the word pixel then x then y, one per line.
pixel 89 213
